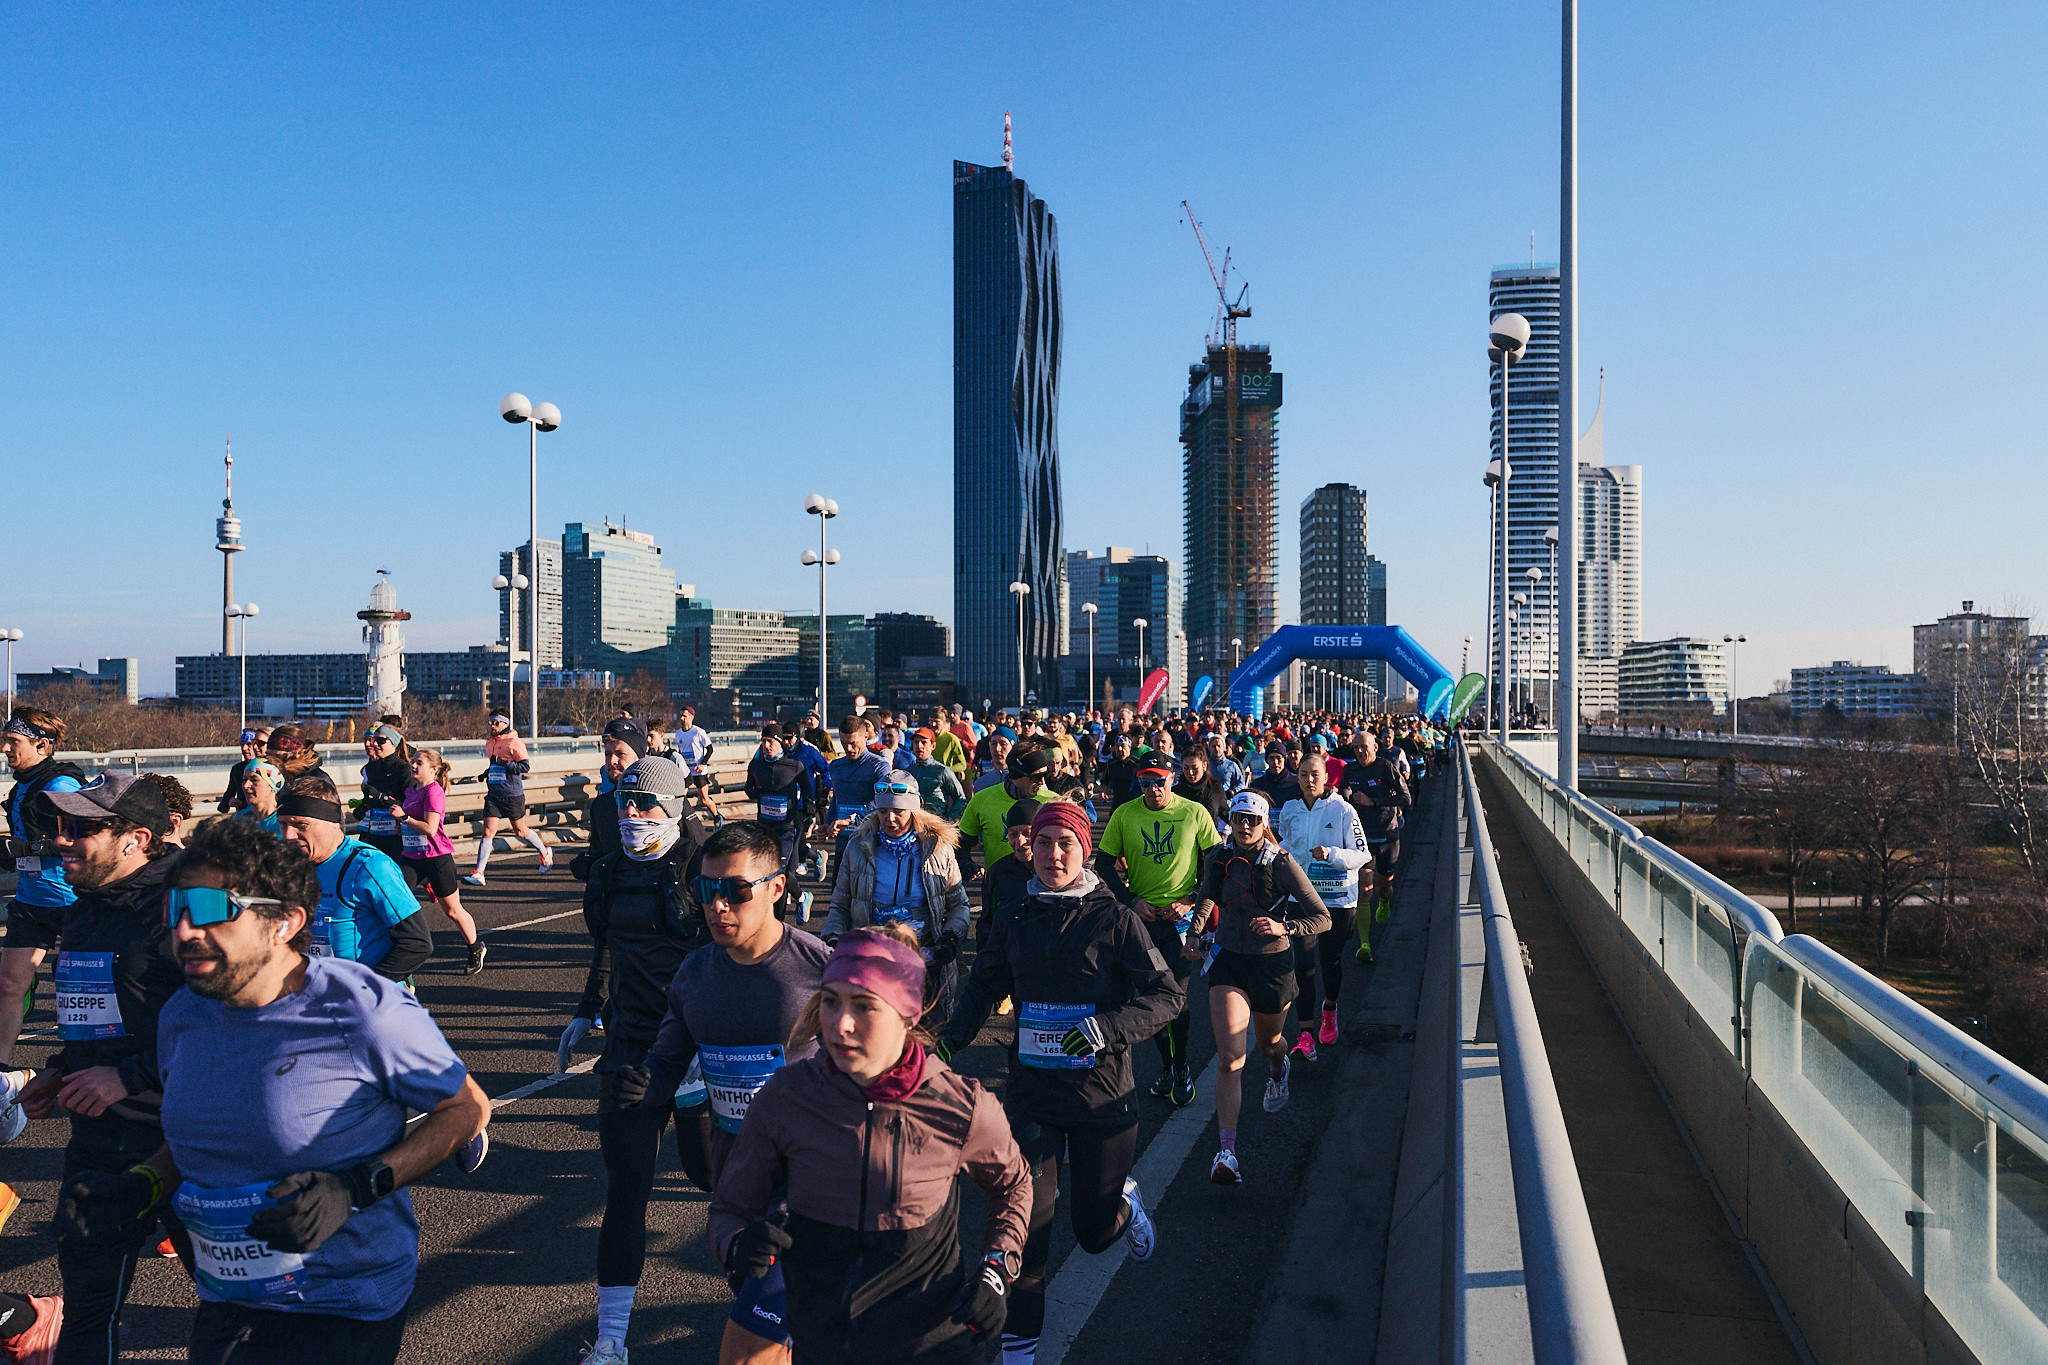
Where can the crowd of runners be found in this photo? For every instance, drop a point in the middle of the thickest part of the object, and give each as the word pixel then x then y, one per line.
pixel 250 1080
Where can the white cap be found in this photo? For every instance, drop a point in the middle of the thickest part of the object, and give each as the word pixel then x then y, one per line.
pixel 1251 803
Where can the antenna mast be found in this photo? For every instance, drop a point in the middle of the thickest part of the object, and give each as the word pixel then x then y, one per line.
pixel 1009 162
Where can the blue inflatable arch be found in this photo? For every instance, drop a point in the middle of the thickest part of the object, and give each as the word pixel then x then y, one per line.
pixel 1391 643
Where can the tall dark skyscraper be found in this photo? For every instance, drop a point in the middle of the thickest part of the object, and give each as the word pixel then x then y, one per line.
pixel 1341 584
pixel 1230 492
pixel 1007 511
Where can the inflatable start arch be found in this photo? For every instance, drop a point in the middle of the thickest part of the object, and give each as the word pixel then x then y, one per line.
pixel 1390 643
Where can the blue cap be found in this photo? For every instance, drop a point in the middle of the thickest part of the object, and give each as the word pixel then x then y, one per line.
pixel 1007 733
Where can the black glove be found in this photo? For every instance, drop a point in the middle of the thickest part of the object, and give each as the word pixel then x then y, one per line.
pixel 97 1205
pixel 946 949
pixel 984 1301
pixel 831 940
pixel 311 1207
pixel 756 1248
pixel 629 1085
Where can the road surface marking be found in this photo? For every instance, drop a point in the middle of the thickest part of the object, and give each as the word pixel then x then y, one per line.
pixel 529 923
pixel 1072 1295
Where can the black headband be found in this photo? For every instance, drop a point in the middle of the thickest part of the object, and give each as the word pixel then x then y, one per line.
pixel 17 726
pixel 308 807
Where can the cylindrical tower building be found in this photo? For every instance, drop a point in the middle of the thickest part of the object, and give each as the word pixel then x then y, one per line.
pixel 384 692
pixel 227 534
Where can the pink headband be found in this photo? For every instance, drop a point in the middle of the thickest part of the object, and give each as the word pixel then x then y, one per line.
pixel 870 960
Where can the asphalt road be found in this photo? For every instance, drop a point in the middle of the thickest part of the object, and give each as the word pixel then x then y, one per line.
pixel 508 1260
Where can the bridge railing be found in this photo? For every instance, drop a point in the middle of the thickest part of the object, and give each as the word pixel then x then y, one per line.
pixel 1938 1145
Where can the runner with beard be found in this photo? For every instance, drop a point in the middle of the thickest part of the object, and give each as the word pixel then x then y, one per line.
pixel 115 973
pixel 1089 985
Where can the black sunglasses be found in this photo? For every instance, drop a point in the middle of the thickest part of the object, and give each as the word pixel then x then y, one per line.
pixel 733 890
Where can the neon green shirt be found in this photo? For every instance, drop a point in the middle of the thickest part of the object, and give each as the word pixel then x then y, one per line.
pixel 1162 849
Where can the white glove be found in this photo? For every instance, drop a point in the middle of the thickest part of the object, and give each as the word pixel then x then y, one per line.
pixel 571 1036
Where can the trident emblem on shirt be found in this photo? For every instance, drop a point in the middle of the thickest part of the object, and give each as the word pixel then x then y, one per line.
pixel 1159 843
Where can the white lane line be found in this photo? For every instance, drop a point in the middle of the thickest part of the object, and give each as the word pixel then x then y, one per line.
pixel 535 1087
pixel 1072 1296
pixel 529 923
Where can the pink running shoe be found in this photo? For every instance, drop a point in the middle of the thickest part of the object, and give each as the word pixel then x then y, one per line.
pixel 1304 1046
pixel 1328 1032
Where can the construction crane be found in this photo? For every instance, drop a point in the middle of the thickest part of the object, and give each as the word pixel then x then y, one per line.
pixel 1227 314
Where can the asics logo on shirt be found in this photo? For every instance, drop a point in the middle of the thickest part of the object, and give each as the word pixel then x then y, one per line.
pixel 1159 843
pixel 288 1066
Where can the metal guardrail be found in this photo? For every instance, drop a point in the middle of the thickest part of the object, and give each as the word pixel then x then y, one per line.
pixel 1571 1315
pixel 1940 1143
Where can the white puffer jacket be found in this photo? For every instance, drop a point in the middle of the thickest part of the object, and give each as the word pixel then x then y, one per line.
pixel 1332 824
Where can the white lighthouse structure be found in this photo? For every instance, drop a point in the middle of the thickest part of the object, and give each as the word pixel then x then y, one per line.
pixel 384 693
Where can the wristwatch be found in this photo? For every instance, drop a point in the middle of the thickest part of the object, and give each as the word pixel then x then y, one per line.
pixel 368 1182
pixel 1009 1263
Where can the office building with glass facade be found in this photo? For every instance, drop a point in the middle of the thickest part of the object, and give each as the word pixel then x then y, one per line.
pixel 1007 507
pixel 753 653
pixel 1126 588
pixel 512 604
pixel 1341 584
pixel 1532 291
pixel 618 600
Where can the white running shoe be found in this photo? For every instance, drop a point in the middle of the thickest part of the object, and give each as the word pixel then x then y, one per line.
pixel 803 908
pixel 12 1123
pixel 1223 1171
pixel 473 879
pixel 475 1150
pixel 1276 1088
pixel 1138 1232
pixel 605 1352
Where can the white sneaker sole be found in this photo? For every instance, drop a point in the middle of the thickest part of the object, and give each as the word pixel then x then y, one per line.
pixel 1139 1232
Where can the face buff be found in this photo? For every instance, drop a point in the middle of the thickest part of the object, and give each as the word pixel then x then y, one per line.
pixel 645 840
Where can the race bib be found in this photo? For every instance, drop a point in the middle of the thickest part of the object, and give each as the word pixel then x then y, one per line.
pixel 86 1007
pixel 226 1259
pixel 1326 877
pixel 413 842
pixel 848 812
pixel 374 821
pixel 909 916
pixel 28 865
pixel 1210 960
pixel 1184 920
pixel 323 936
pixel 1040 1027
pixel 494 776
pixel 734 1075
pixel 775 808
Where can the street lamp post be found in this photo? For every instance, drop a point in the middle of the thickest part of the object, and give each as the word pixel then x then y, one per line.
pixel 1089 610
pixel 824 509
pixel 242 613
pixel 1020 590
pixel 10 636
pixel 1556 622
pixel 517 583
pixel 1506 340
pixel 538 417
pixel 1735 644
pixel 1140 622
pixel 1532 633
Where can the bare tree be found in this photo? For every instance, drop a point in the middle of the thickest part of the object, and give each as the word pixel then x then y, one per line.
pixel 1795 809
pixel 1994 682
pixel 1881 813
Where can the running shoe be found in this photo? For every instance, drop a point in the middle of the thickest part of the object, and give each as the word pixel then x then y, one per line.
pixel 1276 1088
pixel 803 908
pixel 547 862
pixel 1162 1084
pixel 605 1352
pixel 1006 1006
pixel 1223 1171
pixel 166 1250
pixel 476 958
pixel 9 1202
pixel 12 1122
pixel 1138 1231
pixel 475 1150
pixel 1382 910
pixel 473 879
pixel 1304 1047
pixel 1328 1034
pixel 1364 949
pixel 1183 1085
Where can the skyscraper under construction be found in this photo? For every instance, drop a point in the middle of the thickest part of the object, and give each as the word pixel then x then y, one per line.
pixel 1230 492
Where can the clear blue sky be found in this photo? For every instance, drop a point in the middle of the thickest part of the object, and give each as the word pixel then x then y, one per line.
pixel 720 239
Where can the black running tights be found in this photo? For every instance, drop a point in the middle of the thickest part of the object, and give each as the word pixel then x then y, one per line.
pixel 1098 1159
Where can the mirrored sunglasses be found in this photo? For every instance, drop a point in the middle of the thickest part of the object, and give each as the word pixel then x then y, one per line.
pixel 205 905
